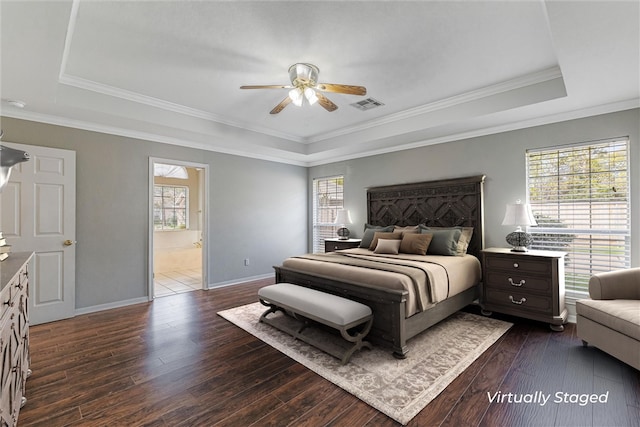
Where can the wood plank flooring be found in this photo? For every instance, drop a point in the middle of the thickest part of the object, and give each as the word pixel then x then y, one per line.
pixel 174 362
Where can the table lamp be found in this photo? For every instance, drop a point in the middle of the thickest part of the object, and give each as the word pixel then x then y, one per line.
pixel 520 215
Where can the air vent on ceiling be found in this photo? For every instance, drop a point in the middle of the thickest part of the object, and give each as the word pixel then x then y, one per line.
pixel 367 104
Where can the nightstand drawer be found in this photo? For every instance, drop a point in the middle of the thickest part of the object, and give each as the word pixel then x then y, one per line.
pixel 331 245
pixel 519 264
pixel 521 300
pixel 518 281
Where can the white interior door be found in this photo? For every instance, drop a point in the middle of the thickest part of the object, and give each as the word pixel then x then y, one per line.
pixel 38 215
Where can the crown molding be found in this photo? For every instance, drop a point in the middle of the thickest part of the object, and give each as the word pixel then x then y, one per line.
pixel 310 161
pixel 145 136
pixel 474 95
pixel 112 91
pixel 490 130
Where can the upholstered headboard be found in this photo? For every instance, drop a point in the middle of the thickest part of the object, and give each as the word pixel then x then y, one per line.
pixel 444 203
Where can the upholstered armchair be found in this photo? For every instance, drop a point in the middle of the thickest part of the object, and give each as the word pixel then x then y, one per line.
pixel 610 320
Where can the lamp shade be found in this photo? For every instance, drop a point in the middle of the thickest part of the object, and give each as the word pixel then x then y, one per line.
pixel 343 217
pixel 518 214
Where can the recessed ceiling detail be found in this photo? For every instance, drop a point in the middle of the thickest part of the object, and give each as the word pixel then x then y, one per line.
pixel 170 71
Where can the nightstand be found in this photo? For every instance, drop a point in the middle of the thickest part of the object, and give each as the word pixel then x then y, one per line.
pixel 332 245
pixel 524 284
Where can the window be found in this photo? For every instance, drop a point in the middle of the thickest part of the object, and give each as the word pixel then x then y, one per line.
pixel 170 207
pixel 327 199
pixel 579 195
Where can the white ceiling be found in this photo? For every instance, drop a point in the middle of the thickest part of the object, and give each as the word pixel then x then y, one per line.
pixel 170 71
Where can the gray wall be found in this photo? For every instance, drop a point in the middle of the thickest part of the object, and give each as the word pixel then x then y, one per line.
pixel 501 157
pixel 258 210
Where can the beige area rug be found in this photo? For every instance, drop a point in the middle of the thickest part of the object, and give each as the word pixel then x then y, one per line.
pixel 398 388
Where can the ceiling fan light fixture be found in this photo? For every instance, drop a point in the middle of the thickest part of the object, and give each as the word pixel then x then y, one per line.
pixel 296 96
pixel 311 96
pixel 305 89
pixel 304 74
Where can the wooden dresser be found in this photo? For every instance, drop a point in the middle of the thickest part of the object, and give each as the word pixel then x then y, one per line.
pixel 525 284
pixel 14 336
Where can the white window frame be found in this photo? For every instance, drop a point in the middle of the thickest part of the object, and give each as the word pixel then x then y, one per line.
pixel 328 198
pixel 186 208
pixel 591 223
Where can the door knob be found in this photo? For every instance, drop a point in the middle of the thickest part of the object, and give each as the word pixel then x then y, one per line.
pixel 68 242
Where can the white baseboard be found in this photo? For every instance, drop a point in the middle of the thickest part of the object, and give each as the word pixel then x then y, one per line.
pixel 238 281
pixel 117 304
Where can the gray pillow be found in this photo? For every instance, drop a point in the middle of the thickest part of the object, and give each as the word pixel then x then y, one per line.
pixel 444 242
pixel 370 231
pixel 465 236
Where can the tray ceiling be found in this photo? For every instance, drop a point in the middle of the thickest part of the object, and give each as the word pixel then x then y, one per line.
pixel 171 71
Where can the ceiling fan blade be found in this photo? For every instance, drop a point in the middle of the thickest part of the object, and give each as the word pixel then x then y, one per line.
pixel 267 87
pixel 281 106
pixel 348 89
pixel 326 103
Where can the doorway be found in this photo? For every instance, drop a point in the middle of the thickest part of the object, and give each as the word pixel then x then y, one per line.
pixel 177 232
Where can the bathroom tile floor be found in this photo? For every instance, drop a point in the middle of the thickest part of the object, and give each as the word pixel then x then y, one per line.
pixel 176 282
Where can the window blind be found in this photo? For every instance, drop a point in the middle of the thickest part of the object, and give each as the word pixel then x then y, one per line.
pixel 328 198
pixel 579 195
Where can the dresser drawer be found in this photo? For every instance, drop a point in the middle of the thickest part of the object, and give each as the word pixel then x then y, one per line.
pixel 519 300
pixel 519 264
pixel 518 281
pixel 6 295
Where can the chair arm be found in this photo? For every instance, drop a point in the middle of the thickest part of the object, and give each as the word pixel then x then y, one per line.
pixel 620 284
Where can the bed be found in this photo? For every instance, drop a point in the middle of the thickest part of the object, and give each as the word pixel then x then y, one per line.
pixel 401 308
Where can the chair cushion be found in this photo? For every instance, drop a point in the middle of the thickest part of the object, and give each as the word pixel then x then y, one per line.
pixel 620 315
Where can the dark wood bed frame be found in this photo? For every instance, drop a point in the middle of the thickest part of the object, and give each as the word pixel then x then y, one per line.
pixel 444 203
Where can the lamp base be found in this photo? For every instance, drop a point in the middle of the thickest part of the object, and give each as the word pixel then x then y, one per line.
pixel 343 233
pixel 519 240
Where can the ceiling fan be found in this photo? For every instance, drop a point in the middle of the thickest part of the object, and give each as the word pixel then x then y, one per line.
pixel 305 88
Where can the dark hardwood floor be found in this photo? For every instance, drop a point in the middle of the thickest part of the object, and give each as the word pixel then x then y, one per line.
pixel 174 362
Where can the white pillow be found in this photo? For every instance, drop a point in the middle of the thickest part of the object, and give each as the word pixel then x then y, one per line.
pixel 387 246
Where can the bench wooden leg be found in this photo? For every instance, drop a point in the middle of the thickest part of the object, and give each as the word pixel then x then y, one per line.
pixel 296 333
pixel 357 340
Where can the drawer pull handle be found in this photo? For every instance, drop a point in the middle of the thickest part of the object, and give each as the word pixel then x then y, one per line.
pixel 523 299
pixel 512 283
pixel 515 265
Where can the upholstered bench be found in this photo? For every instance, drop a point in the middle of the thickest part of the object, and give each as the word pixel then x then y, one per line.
pixel 307 304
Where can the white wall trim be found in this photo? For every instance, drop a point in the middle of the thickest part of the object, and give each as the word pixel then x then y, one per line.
pixel 319 159
pixel 111 305
pixel 239 281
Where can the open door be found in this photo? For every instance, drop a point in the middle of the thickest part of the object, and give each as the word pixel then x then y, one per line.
pixel 39 215
pixel 177 227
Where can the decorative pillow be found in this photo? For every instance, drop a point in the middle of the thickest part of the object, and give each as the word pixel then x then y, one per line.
pixel 406 230
pixel 369 231
pixel 463 241
pixel 383 235
pixel 444 242
pixel 415 243
pixel 387 246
